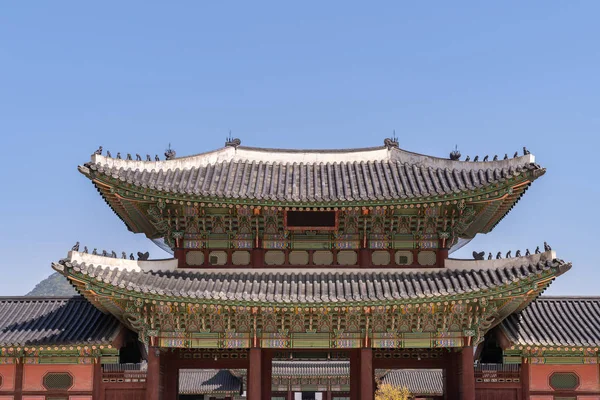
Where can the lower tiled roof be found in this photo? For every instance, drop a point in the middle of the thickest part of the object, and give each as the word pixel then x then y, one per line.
pixel 59 320
pixel 200 381
pixel 310 287
pixel 310 368
pixel 556 321
pixel 417 381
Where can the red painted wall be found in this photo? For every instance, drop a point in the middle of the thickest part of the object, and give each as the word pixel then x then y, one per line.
pixel 8 377
pixel 540 377
pixel 33 374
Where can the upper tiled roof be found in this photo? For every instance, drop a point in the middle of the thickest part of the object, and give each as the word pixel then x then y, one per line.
pixel 556 321
pixel 372 174
pixel 200 381
pixel 71 320
pixel 417 381
pixel 331 286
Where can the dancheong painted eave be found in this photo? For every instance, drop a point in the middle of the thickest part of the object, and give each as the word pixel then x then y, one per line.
pixel 382 175
pixel 462 278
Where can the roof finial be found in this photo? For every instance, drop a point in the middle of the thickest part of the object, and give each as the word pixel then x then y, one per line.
pixel 478 256
pixel 230 141
pixel 170 153
pixel 455 154
pixel 391 142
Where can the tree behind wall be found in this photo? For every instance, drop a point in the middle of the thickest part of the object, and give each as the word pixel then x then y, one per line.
pixel 388 392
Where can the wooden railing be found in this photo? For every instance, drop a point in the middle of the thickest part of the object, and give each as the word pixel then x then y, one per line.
pixel 117 373
pixel 497 373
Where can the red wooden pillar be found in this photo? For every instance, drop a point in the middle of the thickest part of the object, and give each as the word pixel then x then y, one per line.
pixel 253 392
pixel 258 258
pixel 451 376
pixel 290 394
pixel 153 374
pixel 364 258
pixel 19 379
pixel 179 254
pixel 355 375
pixel 98 389
pixel 266 372
pixel 328 392
pixel 441 256
pixel 367 391
pixel 525 371
pixel 468 374
pixel 171 379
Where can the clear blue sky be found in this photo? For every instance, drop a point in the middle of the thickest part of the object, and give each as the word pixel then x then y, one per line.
pixel 135 76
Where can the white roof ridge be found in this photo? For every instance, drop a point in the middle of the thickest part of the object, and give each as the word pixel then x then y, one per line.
pixel 293 156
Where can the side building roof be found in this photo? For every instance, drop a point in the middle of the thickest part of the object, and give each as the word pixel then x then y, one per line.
pixel 423 382
pixel 30 321
pixel 208 381
pixel 418 381
pixel 556 321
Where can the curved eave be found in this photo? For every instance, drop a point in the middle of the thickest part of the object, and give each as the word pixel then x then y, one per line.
pixel 117 204
pixel 496 189
pixel 299 177
pixel 367 288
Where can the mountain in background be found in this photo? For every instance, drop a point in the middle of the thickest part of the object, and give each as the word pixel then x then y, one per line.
pixel 54 285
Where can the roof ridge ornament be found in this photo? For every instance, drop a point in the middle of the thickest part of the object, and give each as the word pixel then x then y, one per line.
pixel 170 153
pixel 455 154
pixel 391 142
pixel 230 141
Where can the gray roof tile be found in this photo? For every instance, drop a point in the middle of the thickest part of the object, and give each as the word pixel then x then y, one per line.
pixel 310 287
pixel 70 320
pixel 201 381
pixel 262 174
pixel 417 381
pixel 291 369
pixel 556 321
